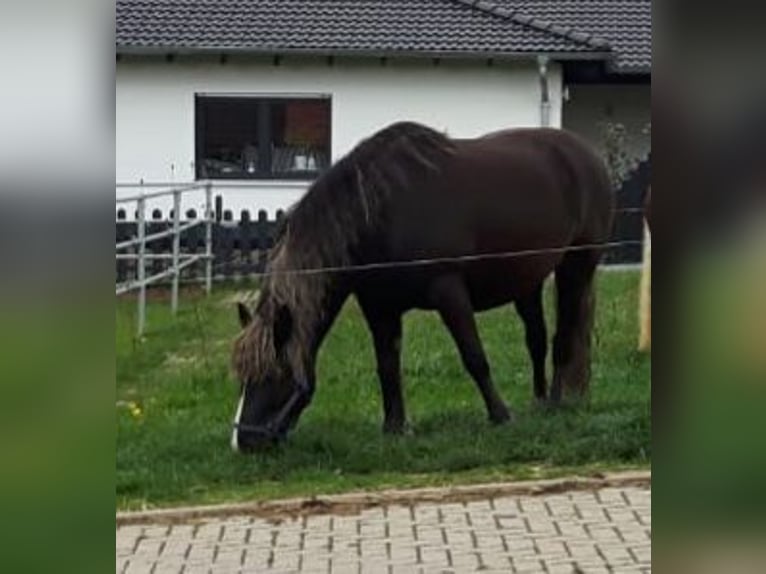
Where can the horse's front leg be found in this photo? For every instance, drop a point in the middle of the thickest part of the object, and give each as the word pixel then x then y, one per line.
pixel 386 328
pixel 450 297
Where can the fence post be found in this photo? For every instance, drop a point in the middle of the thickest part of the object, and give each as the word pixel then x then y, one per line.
pixel 208 237
pixel 141 265
pixel 176 249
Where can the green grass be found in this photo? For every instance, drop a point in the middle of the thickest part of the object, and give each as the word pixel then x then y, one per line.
pixel 176 451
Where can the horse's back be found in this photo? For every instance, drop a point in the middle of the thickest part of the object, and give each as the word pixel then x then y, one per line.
pixel 509 192
pixel 547 184
pixel 577 169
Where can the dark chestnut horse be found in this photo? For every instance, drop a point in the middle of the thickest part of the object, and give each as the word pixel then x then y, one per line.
pixel 412 219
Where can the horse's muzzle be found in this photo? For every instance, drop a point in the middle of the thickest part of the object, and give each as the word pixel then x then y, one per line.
pixel 257 437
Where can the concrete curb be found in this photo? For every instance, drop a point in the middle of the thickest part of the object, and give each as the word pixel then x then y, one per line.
pixel 355 502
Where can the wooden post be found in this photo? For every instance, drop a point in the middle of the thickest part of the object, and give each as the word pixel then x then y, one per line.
pixel 645 301
pixel 141 266
pixel 209 237
pixel 176 249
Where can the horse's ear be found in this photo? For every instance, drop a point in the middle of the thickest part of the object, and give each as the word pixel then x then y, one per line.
pixel 283 326
pixel 244 315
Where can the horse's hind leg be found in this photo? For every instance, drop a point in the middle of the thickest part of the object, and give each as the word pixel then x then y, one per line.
pixel 450 297
pixel 530 310
pixel 574 323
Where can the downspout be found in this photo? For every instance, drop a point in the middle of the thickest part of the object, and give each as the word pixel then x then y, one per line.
pixel 545 99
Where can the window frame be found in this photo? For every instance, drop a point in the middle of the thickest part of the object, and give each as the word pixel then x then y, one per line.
pixel 264 104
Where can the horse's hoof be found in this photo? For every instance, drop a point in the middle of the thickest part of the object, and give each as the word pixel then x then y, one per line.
pixel 554 400
pixel 551 404
pixel 399 428
pixel 500 416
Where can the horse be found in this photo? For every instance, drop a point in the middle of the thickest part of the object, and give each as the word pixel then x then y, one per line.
pixel 645 302
pixel 413 219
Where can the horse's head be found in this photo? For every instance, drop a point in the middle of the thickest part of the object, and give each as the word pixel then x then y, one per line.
pixel 275 385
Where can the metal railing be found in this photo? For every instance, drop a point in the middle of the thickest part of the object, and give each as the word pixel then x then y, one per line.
pixel 178 261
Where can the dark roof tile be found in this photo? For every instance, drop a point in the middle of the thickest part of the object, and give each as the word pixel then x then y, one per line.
pixel 623 25
pixel 467 27
pixel 464 27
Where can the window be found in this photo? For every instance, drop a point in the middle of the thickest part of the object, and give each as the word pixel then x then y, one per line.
pixel 262 138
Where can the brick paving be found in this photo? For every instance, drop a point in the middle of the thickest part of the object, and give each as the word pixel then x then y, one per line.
pixel 607 530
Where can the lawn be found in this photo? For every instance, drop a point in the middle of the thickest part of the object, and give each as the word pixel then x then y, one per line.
pixel 176 399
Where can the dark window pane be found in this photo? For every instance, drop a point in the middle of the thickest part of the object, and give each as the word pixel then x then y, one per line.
pixel 230 139
pixel 300 136
pixel 262 137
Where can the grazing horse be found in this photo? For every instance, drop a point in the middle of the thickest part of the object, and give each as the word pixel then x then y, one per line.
pixel 413 219
pixel 645 303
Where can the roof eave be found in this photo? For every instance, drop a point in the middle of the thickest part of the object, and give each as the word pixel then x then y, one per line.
pixel 631 71
pixel 452 54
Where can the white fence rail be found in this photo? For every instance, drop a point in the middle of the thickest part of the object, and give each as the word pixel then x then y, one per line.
pixel 178 260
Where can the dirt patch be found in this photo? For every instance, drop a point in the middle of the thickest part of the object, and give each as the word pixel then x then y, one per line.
pixel 355 502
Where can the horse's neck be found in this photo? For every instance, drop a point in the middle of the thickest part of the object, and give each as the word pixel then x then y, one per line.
pixel 321 294
pixel 315 304
pixel 335 294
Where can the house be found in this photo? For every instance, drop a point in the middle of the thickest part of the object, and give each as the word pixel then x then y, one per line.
pixel 261 95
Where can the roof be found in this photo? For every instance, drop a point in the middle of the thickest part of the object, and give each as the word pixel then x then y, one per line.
pixel 625 24
pixel 562 28
pixel 373 27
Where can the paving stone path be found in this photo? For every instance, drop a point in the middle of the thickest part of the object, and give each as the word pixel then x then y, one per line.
pixel 607 530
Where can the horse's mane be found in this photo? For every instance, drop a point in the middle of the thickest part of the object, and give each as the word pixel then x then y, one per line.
pixel 322 230
pixel 349 198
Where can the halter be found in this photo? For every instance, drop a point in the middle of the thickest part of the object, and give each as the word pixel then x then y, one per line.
pixel 276 427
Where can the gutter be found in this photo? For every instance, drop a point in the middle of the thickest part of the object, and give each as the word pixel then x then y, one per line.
pixel 545 97
pixel 159 50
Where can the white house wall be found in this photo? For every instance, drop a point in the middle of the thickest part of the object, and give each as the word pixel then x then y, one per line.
pixel 155 136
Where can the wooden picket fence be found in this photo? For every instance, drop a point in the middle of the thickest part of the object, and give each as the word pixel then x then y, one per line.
pixel 240 247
